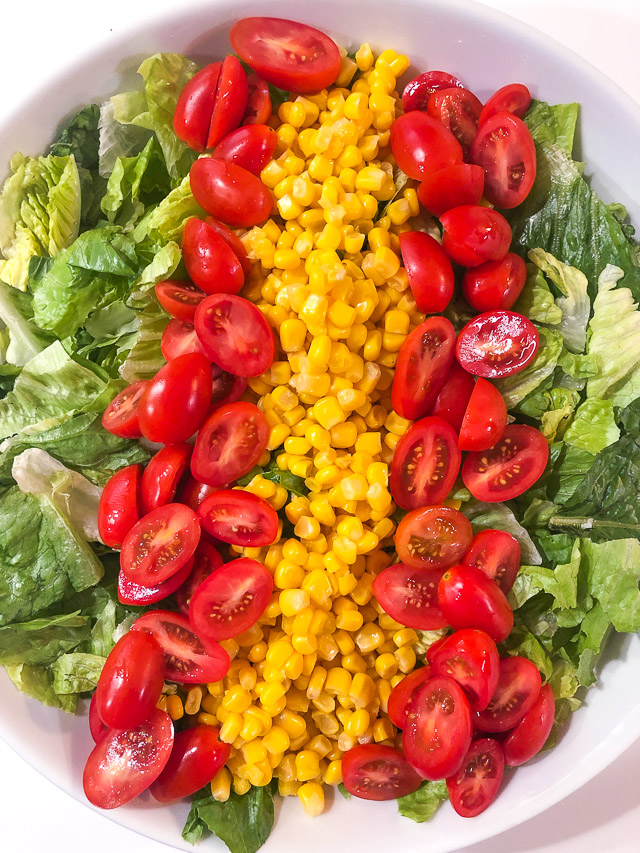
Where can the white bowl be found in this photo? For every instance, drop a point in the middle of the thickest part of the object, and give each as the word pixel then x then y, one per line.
pixel 487 50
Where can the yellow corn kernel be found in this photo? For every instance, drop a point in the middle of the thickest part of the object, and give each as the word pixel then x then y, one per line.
pixel 175 708
pixel 236 699
pixel 358 723
pixel 318 585
pixel 316 682
pixel 161 704
pixel 364 57
pixel 193 700
pixel 333 773
pixel 292 335
pixel 383 729
pixel 344 641
pixel 276 741
pixel 306 527
pixel 221 785
pixel 307 765
pixel 271 175
pixel 328 412
pixel 350 620
pixel 386 665
pixel 406 658
pixel 370 178
pixel 363 690
pixel 231 727
pixel 258 652
pixel 370 638
pixel 311 795
pixel 354 663
pixel 338 682
pixel 323 511
pixel 327 647
pixel 293 666
pixel 405 637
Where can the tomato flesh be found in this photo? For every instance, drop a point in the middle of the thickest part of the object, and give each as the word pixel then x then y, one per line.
pixel 518 689
pixel 233 241
pixel 497 343
pixel 484 419
pixel 400 697
pixel 210 261
pixel 227 388
pixel 531 733
pixel 433 537
pixel 259 104
pixel 417 92
pixel 451 403
pixel 429 270
pixel 513 98
pixel 459 110
pixel 179 298
pixel 376 772
pixel 192 493
pixel 476 784
pixel 495 285
pixel 410 596
pixel 163 474
pixel 121 415
pixel 239 518
pixel 471 658
pixel 451 187
pixel 497 554
pixel 207 559
pixel 505 149
pixel 474 234
pixel 469 599
pixel 230 193
pixel 133 593
pixel 197 755
pixel 192 115
pixel 118 508
pixel 180 338
pixel 421 144
pixel 251 147
pixel 231 100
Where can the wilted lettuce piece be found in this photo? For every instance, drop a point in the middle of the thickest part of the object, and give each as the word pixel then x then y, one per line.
pixel 515 388
pixel 80 138
pixel 536 300
pixel 117 139
pixel 25 338
pixel 135 183
pixel 484 516
pixel 243 822
pixel 554 421
pixel 423 803
pixel 613 570
pixel 145 357
pixel 37 682
pixel 77 672
pixel 575 305
pixel 594 427
pixel 42 640
pixel 166 221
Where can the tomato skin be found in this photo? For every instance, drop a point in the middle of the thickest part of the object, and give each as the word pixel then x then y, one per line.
pixel 178 339
pixel 163 474
pixel 251 147
pixel 424 361
pixel 97 728
pixel 179 299
pixel 476 784
pixel 505 149
pixel 233 241
pixel 118 508
pixel 451 187
pixel 293 56
pixel 127 761
pixel 197 755
pixel 400 696
pixel 229 444
pixel 192 493
pixel 206 560
pixel 469 599
pixel 417 478
pixel 518 689
pixel 521 447
pixel 121 415
pixel 459 110
pixel 433 537
pixel 485 418
pixel 227 388
pixel 429 270
pixel 418 91
pixel 183 388
pixel 130 682
pixel 513 98
pixel 439 726
pixel 376 772
pixel 239 518
pixel 192 116
pixel 495 285
pixel 531 733
pixel 410 596
pixel 231 100
pixel 259 104
pixel 230 193
pixel 497 343
pixel 209 260
pixel 497 554
pixel 451 402
pixel 421 144
pixel 133 593
pixel 471 658
pixel 474 234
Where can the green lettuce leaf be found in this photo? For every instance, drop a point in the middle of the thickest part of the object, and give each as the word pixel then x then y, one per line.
pixel 515 388
pixel 166 221
pixel 134 184
pixel 553 125
pixel 244 822
pixel 536 300
pixel 42 640
pixel 80 138
pixel 574 304
pixel 594 427
pixel 423 803
pixel 25 338
pixel 613 570
pixel 77 672
pixel 37 682
pixel 486 516
pixel 116 138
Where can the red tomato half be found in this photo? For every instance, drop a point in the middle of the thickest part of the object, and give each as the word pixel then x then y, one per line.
pixel 458 110
pixel 259 104
pixel 229 444
pixel 239 518
pixel 179 299
pixel 505 149
pixel 121 415
pixel 451 402
pixel 375 772
pixel 451 187
pixel 176 400
pixel 209 260
pixel 531 733
pixel 497 554
pixel 439 728
pixel 410 596
pixel 231 100
pixel 425 464
pixel 469 599
pixel 187 659
pixel 513 98
pixel 192 116
pixel 251 147
pixel 474 234
pixel 497 343
pixel 485 418
pixel 96 726
pixel 233 241
pixel 476 784
pixel 235 334
pixel 227 388
pixel 518 690
pixel 130 682
pixel 429 270
pixel 127 761
pixel 418 91
pixel 400 697
pixel 293 56
pixel 471 658
pixel 192 493
pixel 495 285
pixel 433 537
pixel 162 475
pixel 424 361
pixel 421 144
pixel 230 600
pixel 178 339
pixel 140 596
pixel 118 508
pixel 207 560
pixel 197 755
pixel 230 193
pixel 508 468
pixel 160 544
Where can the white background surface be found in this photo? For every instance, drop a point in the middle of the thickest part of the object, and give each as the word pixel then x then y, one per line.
pixel 605 814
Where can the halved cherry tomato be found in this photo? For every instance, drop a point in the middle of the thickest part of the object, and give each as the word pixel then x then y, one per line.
pixel 474 234
pixel 531 733
pixel 192 116
pixel 179 298
pixel 121 415
pixel 513 98
pixel 178 339
pixel 505 149
pixel 250 147
pixel 509 468
pixel 239 518
pixel 230 193
pixel 206 560
pixel 130 682
pixel 231 100
pixel 235 334
pixel 197 755
pixel 497 343
pixel 484 419
pixel 375 772
pixel 233 241
pixel 140 596
pixel 438 730
pixel 118 508
pixel 471 658
pixel 400 696
pixel 229 444
pixel 433 648
pixel 192 493
pixel 451 187
pixel 451 402
pixel 476 784
pixel 227 388
pixel 518 690
pixel 495 285
pixel 176 401
pixel 424 361
pixel 459 110
pixel 293 56
pixel 417 92
pixel 425 464
pixel 469 599
pixel 127 761
pixel 410 596
pixel 210 261
pixel 497 554
pixel 163 474
pixel 96 726
pixel 230 600
pixel 187 659
pixel 421 144
pixel 259 104
pixel 160 544
pixel 433 537
pixel 429 270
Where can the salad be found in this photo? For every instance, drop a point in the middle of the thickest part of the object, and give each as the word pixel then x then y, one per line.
pixel 320 428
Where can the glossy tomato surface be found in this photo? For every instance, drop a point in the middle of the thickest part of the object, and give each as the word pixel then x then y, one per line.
pixel 459 110
pixel 176 400
pixel 96 726
pixel 485 418
pixel 180 338
pixel 421 144
pixel 469 599
pixel 231 100
pixel 429 270
pixel 179 298
pixel 250 147
pixel 259 104
pixel 433 537
pixel 531 733
pixel 118 508
pixel 210 261
pixel 226 387
pixel 133 593
pixel 425 464
pixel 192 116
pixel 497 343
pixel 239 518
pixel 474 234
pixel 418 91
pixel 192 493
pixel 206 560
pixel 476 784
pixel 495 285
pixel 230 193
pixel 197 755
pixel 518 689
pixel 451 187
pixel 121 415
pixel 514 98
pixel 497 554
pixel 163 474
pixel 471 658
pixel 376 772
pixel 400 697
pixel 232 240
pixel 410 596
pixel 451 403
pixel 505 149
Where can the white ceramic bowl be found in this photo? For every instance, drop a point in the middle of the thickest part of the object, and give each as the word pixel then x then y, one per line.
pixel 487 50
